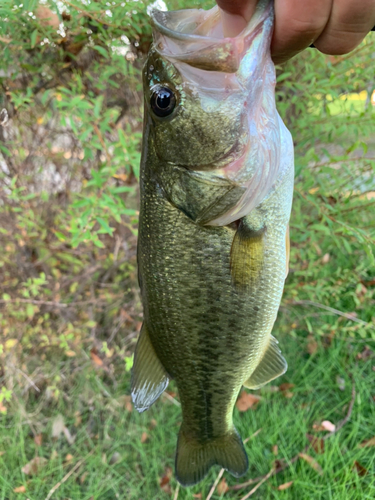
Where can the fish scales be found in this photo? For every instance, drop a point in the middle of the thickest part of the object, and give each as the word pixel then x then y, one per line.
pixel 211 290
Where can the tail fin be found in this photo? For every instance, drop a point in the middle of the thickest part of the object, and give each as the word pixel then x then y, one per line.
pixel 194 460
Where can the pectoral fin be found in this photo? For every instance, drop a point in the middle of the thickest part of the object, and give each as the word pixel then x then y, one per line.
pixel 247 256
pixel 270 367
pixel 149 378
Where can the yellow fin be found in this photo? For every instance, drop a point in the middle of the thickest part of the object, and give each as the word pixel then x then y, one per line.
pixel 247 256
pixel 271 366
pixel 149 378
pixel 194 459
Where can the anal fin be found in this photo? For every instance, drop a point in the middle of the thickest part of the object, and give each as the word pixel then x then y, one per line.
pixel 271 366
pixel 149 378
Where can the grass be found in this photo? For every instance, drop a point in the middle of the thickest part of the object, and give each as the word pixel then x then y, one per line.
pixel 117 453
pixel 117 464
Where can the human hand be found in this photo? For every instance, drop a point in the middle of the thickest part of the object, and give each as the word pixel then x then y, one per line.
pixel 334 26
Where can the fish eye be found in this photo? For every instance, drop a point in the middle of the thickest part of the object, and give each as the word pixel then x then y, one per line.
pixel 163 101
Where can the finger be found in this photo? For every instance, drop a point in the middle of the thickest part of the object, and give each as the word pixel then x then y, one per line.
pixel 244 8
pixel 235 15
pixel 297 25
pixel 349 23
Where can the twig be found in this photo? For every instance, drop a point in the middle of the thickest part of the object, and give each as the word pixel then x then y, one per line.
pixel 67 476
pixel 101 140
pixel 327 308
pixel 171 399
pixel 267 476
pixel 241 486
pixel 212 490
pixel 25 376
pixel 252 436
pixel 176 492
pixel 35 302
pixel 54 304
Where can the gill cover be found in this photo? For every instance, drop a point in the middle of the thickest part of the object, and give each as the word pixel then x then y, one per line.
pixel 217 70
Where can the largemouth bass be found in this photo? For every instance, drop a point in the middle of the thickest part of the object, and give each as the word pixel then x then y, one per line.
pixel 216 194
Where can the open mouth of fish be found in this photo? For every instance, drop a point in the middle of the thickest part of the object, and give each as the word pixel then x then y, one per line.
pixel 194 42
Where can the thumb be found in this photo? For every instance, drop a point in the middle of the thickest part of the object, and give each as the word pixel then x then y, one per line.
pixel 235 15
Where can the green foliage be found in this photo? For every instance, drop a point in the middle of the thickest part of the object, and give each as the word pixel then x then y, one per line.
pixel 70 80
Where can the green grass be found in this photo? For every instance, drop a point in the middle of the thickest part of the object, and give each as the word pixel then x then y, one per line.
pixel 95 413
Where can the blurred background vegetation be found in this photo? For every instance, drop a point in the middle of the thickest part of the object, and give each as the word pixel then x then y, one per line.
pixel 70 312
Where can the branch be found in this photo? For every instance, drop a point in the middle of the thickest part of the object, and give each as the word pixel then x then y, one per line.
pixel 267 476
pixel 327 308
pixel 67 476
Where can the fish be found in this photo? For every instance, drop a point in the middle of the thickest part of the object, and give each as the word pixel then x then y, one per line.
pixel 216 183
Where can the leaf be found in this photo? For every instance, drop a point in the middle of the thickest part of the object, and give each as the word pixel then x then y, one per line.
pixel 33 38
pixel 340 383
pixel 47 17
pixel 68 436
pixel 365 354
pixel 247 401
pixel 10 343
pixel 116 457
pixel 359 469
pixel 312 345
pixel 222 487
pixel 284 388
pixel 316 442
pixel 164 482
pixel 325 258
pixel 101 50
pixel 312 462
pixel 128 403
pixel 369 442
pixel 38 439
pixel 104 224
pixel 285 486
pixel 328 426
pixel 57 426
pixel 153 424
pixel 33 467
pixel 20 489
pixel 96 358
